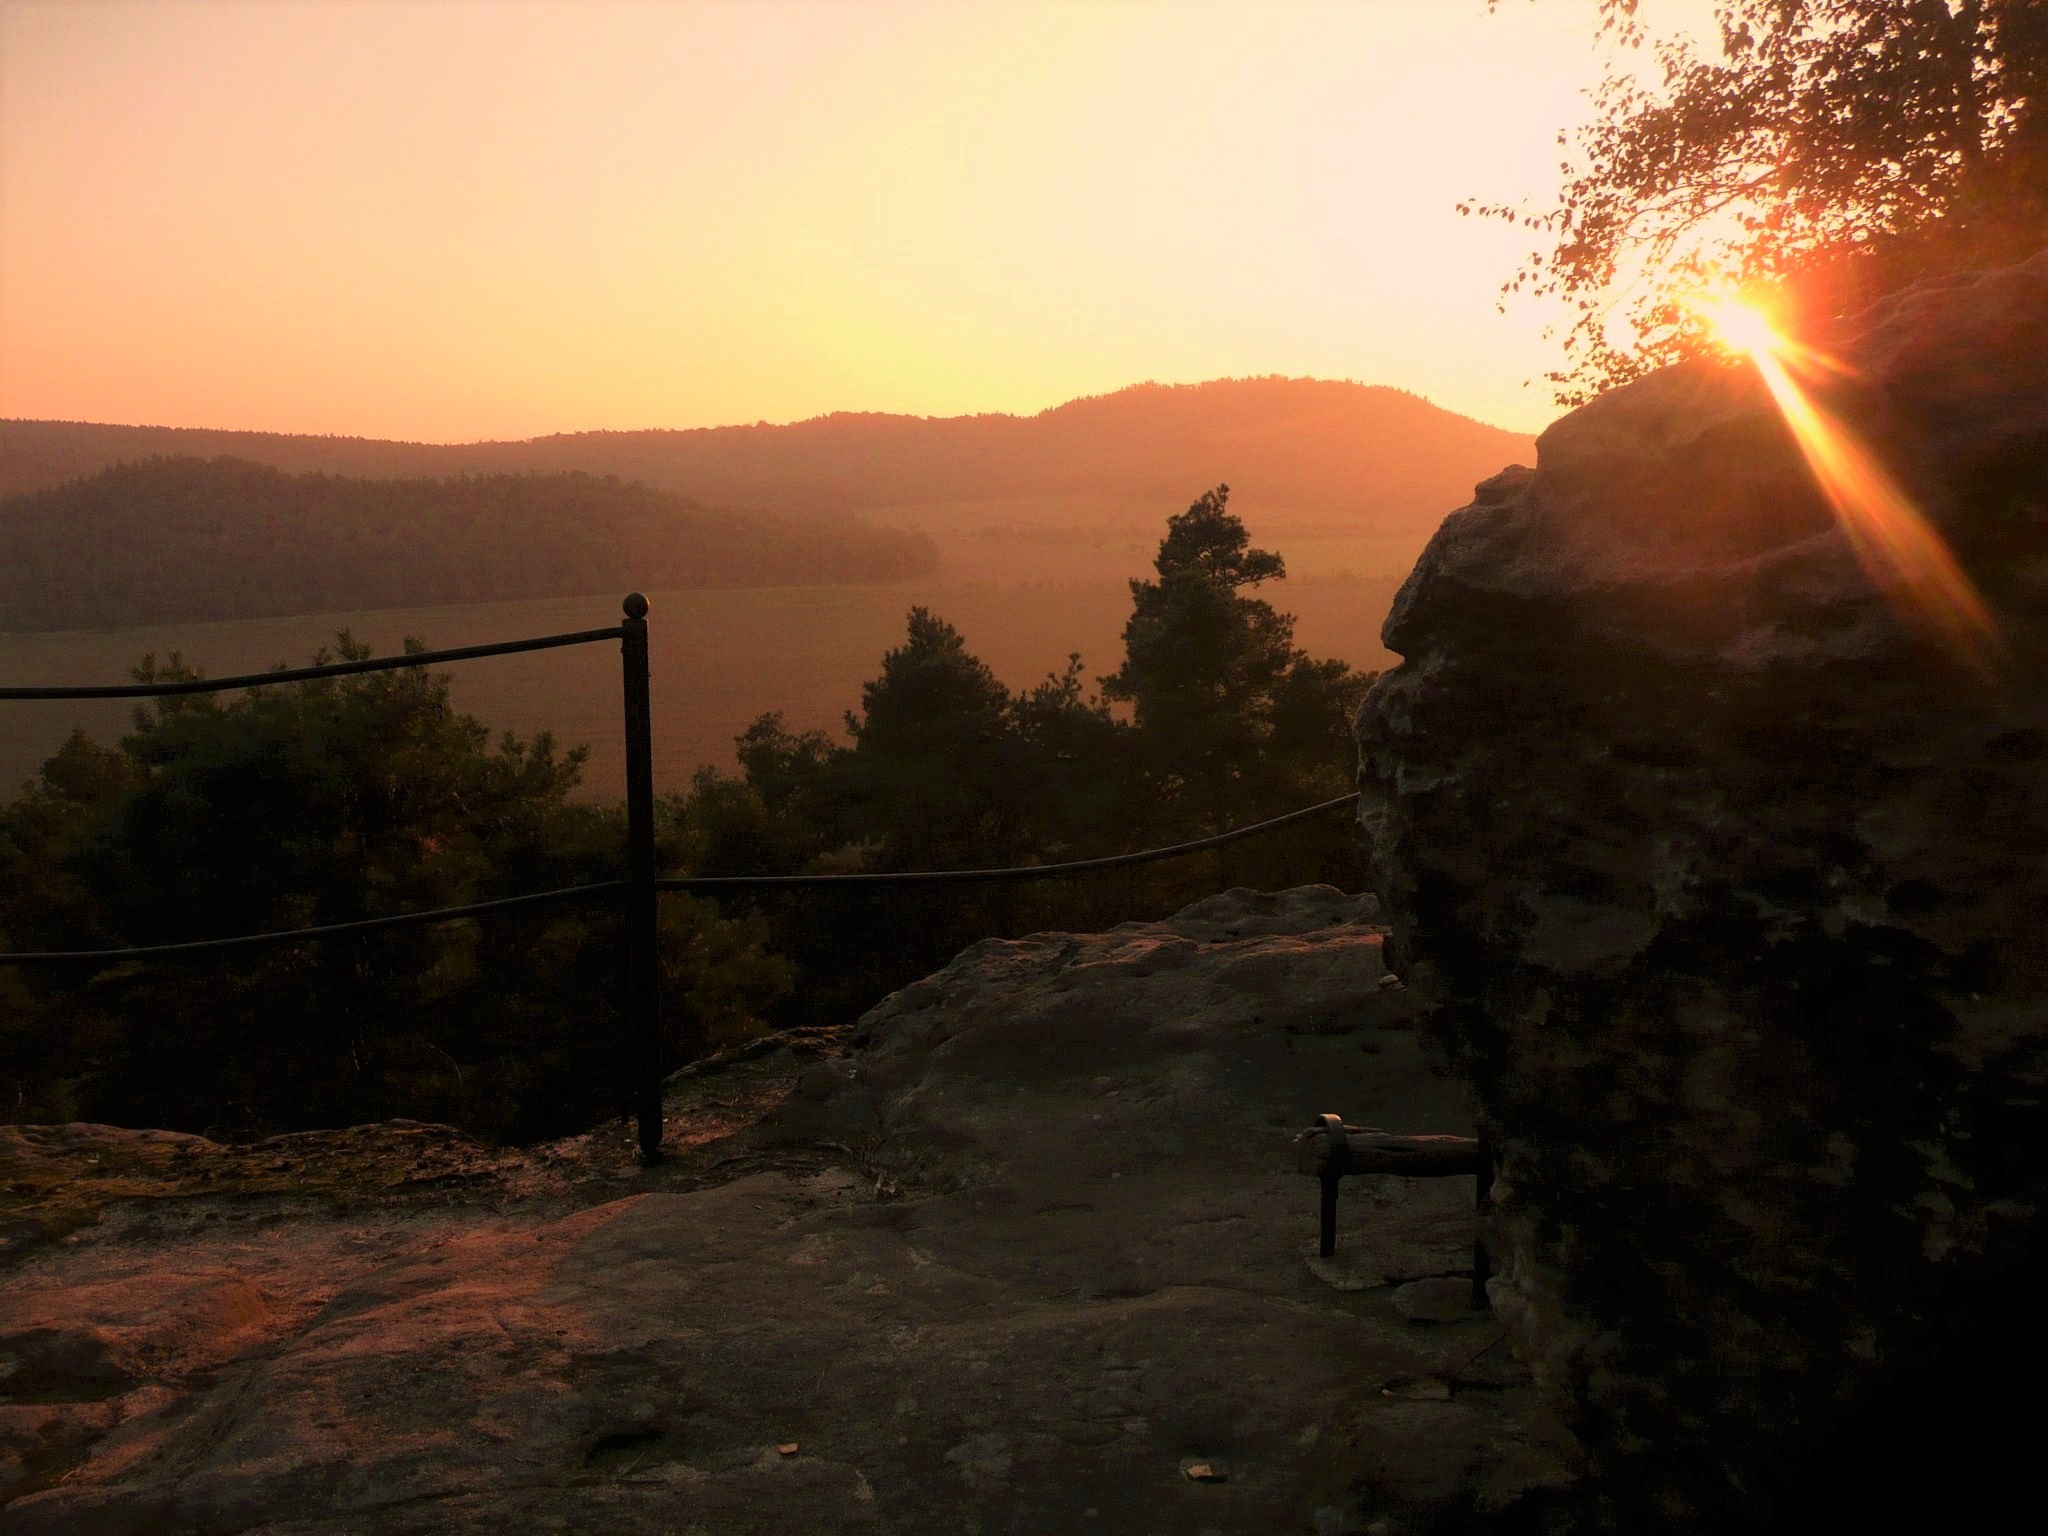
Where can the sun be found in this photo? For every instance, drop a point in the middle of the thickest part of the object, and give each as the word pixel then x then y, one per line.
pixel 1741 326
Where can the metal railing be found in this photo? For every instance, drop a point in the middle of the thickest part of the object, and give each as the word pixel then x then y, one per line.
pixel 641 887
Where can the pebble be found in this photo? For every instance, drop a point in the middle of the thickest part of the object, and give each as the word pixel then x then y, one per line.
pixel 1442 1299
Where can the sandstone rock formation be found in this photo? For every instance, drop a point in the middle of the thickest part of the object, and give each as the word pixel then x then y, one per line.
pixel 1721 874
pixel 1024 1251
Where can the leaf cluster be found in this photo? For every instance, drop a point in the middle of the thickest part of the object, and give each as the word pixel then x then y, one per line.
pixel 1828 150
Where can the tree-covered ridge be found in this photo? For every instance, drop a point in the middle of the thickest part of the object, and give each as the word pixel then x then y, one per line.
pixel 187 539
pixel 1381 457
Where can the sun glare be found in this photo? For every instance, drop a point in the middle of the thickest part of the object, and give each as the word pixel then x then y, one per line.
pixel 1741 327
pixel 1890 535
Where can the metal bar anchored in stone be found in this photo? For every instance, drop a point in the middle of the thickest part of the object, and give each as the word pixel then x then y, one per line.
pixel 1330 1149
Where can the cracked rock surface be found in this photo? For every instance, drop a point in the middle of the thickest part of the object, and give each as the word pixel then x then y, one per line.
pixel 1717 862
pixel 1016 1253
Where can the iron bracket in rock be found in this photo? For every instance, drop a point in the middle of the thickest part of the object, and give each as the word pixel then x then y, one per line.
pixel 1330 1149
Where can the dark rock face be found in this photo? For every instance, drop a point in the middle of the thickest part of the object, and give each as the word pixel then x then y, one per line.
pixel 1723 881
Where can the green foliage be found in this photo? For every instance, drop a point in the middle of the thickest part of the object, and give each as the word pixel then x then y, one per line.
pixel 934 765
pixel 45 833
pixel 44 904
pixel 315 803
pixel 363 794
pixel 1836 149
pixel 717 972
pixel 1078 765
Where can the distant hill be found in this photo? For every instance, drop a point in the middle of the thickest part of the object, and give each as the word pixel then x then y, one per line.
pixel 188 539
pixel 1380 460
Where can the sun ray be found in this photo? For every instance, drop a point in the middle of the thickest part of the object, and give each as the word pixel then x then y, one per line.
pixel 1891 536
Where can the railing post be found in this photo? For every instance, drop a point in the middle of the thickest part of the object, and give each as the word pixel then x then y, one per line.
pixel 642 1043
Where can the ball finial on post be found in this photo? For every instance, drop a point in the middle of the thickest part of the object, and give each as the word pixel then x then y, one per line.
pixel 635 606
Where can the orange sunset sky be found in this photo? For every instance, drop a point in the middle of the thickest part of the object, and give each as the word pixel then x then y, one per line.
pixel 444 219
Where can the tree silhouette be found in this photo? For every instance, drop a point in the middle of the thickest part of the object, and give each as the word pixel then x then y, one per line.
pixel 934 764
pixel 1219 691
pixel 1833 148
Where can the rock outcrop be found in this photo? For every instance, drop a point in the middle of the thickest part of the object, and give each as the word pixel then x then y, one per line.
pixel 1023 1251
pixel 1721 872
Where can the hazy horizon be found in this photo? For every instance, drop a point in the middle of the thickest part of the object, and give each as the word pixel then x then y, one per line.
pixel 461 222
pixel 850 410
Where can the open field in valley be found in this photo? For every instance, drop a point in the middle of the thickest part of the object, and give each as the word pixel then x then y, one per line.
pixel 720 658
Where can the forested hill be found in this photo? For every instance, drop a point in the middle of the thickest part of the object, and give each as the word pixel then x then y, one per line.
pixel 187 539
pixel 1381 457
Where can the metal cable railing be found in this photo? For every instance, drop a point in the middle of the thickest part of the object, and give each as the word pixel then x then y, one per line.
pixel 302 935
pixel 306 674
pixel 713 883
pixel 996 876
pixel 640 887
pixel 641 1009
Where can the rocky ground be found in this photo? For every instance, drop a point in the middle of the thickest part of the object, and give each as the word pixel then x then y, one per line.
pixel 1023 1251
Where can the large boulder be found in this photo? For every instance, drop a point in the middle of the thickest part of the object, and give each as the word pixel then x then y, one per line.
pixel 1716 853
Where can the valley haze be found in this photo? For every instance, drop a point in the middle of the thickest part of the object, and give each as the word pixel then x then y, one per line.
pixel 1038 523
